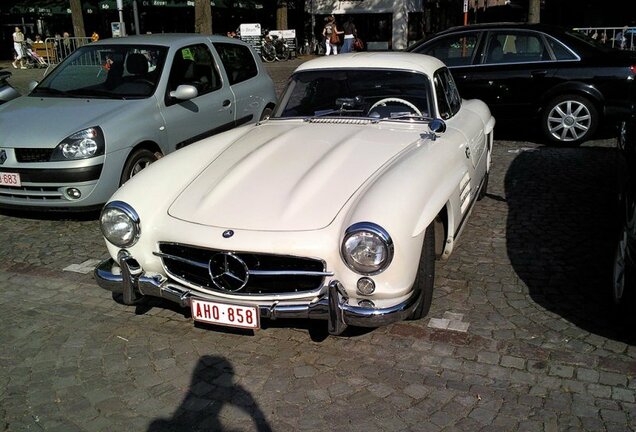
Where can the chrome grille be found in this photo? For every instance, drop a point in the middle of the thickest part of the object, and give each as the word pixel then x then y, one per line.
pixel 268 273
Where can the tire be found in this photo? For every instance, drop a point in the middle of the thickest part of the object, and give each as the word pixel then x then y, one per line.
pixel 138 160
pixel 484 188
pixel 425 277
pixel 267 113
pixel 283 55
pixel 569 120
pixel 268 54
pixel 623 271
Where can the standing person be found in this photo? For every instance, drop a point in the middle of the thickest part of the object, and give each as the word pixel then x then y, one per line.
pixel 330 33
pixel 350 33
pixel 18 40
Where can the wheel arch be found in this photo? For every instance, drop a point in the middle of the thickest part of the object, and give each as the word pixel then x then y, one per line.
pixel 575 88
pixel 147 145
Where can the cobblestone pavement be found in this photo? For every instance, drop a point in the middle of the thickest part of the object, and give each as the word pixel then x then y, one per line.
pixel 521 335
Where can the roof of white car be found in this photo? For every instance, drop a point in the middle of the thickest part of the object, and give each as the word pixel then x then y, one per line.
pixel 375 60
pixel 165 39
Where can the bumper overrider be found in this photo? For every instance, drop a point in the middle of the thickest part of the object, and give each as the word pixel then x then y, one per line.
pixel 333 306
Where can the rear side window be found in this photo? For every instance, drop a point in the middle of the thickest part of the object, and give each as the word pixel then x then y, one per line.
pixel 560 52
pixel 238 62
pixel 453 50
pixel 516 47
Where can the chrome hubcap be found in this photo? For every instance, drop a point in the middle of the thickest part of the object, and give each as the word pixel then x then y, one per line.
pixel 141 164
pixel 569 121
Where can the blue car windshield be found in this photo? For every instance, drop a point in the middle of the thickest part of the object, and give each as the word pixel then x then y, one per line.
pixel 107 72
pixel 369 93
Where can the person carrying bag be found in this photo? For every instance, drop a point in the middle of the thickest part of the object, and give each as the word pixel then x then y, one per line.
pixel 331 35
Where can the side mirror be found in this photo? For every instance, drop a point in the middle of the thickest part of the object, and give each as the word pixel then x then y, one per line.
pixel 184 92
pixel 437 126
pixel 32 85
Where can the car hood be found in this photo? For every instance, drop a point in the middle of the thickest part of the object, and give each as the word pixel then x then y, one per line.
pixel 289 175
pixel 42 122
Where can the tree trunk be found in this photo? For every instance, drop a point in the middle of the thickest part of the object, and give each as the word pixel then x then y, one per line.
pixel 534 11
pixel 281 15
pixel 78 18
pixel 202 17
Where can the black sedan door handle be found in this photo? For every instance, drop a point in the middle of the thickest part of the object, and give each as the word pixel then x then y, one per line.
pixel 226 102
pixel 539 74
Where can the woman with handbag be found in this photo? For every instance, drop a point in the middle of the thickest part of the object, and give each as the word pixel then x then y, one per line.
pixel 350 33
pixel 330 33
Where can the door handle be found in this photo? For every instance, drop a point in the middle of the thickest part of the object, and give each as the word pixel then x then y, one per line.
pixel 539 74
pixel 226 102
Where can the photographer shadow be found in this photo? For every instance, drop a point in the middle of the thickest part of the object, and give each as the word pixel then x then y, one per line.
pixel 212 387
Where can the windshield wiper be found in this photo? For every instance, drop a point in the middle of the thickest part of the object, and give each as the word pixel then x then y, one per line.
pixel 340 111
pixel 101 93
pixel 404 116
pixel 52 91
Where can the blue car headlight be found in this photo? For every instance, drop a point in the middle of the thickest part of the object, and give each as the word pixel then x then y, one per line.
pixel 83 144
pixel 119 223
pixel 367 248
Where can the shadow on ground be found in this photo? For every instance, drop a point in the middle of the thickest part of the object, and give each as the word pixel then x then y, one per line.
pixel 212 387
pixel 561 232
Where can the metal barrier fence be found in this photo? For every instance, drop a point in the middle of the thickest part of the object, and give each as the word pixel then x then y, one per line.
pixel 617 37
pixel 54 50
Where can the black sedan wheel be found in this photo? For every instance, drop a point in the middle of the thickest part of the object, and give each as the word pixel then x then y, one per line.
pixel 569 120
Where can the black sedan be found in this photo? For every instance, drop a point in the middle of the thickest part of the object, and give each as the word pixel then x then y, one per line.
pixel 560 78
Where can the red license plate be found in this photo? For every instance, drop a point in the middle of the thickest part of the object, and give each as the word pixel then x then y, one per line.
pixel 225 314
pixel 10 179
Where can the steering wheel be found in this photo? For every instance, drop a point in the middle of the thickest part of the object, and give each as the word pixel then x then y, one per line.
pixel 383 102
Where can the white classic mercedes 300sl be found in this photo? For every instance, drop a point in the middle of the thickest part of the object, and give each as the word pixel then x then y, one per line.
pixel 335 208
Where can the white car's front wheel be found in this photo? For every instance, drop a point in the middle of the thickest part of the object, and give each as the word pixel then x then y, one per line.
pixel 425 278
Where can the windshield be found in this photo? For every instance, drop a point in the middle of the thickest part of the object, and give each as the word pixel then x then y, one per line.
pixel 368 93
pixel 106 71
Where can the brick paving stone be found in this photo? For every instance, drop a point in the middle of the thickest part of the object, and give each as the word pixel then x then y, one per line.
pixel 612 379
pixel 561 371
pixel 622 394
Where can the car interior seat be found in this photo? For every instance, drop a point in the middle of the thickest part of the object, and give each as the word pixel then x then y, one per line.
pixel 137 64
pixel 495 52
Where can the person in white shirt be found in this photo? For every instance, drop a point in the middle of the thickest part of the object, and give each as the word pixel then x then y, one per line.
pixel 18 40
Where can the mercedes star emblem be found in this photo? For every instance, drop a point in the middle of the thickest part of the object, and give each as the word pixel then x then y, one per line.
pixel 228 272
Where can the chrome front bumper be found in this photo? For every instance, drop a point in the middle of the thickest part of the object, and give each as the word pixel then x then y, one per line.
pixel 333 306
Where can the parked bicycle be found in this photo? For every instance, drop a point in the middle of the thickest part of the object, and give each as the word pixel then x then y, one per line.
pixel 274 48
pixel 312 47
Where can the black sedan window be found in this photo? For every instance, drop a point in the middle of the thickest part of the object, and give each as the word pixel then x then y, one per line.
pixel 516 47
pixel 453 50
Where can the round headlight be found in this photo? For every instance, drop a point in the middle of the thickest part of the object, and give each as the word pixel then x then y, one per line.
pixel 120 224
pixel 367 248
